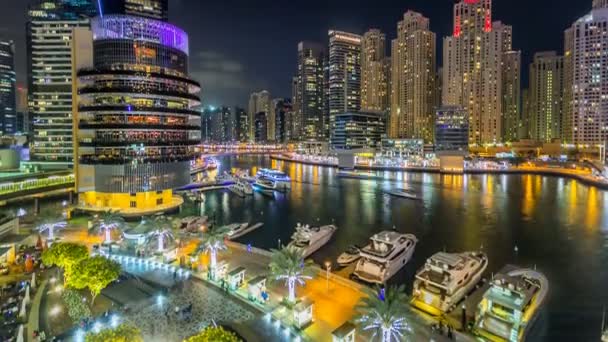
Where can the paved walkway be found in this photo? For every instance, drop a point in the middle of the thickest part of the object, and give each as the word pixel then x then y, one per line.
pixel 33 321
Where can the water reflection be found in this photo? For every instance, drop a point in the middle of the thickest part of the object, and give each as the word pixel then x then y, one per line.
pixel 558 225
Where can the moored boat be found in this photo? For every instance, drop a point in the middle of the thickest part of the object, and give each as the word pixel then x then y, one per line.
pixel 511 304
pixel 310 239
pixel 445 279
pixel 352 254
pixel 386 253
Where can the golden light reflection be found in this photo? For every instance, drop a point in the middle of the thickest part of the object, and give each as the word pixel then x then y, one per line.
pixel 572 202
pixel 528 202
pixel 592 215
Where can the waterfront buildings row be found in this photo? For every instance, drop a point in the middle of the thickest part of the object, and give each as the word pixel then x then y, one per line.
pixel 481 74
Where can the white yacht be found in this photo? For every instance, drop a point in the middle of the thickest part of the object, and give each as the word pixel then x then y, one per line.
pixel 235 228
pixel 352 254
pixel 386 254
pixel 224 177
pixel 310 239
pixel 265 183
pixel 511 305
pixel 445 279
pixel 241 188
pixel 243 229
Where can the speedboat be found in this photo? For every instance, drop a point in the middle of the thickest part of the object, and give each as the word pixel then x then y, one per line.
pixel 265 183
pixel 511 304
pixel 402 193
pixel 445 279
pixel 351 255
pixel 309 239
pixel 241 188
pixel 386 253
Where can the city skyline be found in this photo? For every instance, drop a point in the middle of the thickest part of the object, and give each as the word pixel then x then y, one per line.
pixel 230 66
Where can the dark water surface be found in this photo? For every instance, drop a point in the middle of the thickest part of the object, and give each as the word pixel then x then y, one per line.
pixel 558 225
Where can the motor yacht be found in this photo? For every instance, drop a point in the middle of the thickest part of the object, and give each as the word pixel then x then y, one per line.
pixel 241 188
pixel 445 279
pixel 243 229
pixel 310 239
pixel 224 178
pixel 511 305
pixel 275 175
pixel 386 253
pixel 265 183
pixel 351 255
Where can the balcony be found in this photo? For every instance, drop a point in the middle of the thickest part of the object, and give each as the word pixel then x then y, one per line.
pixel 133 91
pixel 96 72
pixel 137 109
pixel 148 143
pixel 139 126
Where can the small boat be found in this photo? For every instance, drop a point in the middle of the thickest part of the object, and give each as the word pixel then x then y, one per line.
pixel 351 255
pixel 241 188
pixel 242 230
pixel 358 175
pixel 402 193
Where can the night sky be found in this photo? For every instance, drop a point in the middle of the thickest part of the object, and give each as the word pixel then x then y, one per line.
pixel 240 46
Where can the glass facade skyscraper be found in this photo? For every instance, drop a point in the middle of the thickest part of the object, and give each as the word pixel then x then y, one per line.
pixel 7 88
pixel 137 128
pixel 49 54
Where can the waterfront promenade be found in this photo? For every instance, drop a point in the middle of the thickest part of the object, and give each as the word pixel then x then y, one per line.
pixel 584 176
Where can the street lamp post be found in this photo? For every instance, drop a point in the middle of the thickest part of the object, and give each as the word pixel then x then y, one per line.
pixel 328 269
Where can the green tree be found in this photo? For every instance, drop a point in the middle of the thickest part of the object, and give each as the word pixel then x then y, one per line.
pixel 65 255
pixel 106 222
pixel 385 313
pixel 213 241
pixel 77 309
pixel 288 264
pixel 214 334
pixel 95 274
pixel 123 333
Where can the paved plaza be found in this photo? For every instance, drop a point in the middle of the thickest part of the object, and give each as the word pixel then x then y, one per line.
pixel 158 320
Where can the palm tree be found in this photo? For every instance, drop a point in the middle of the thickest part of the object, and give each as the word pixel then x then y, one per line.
pixel 161 236
pixel 159 228
pixel 106 221
pixel 50 222
pixel 385 313
pixel 212 242
pixel 288 264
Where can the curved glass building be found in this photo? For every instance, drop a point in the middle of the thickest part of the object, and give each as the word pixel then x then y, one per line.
pixel 137 130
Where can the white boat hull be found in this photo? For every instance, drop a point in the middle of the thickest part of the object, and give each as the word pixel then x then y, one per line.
pixel 447 304
pixel 306 252
pixel 387 270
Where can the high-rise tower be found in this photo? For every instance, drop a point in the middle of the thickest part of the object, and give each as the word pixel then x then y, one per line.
pixel 586 91
pixel 472 70
pixel 546 96
pixel 137 128
pixel 374 75
pixel 309 92
pixel 413 79
pixel 49 62
pixel 8 116
pixel 154 9
pixel 344 74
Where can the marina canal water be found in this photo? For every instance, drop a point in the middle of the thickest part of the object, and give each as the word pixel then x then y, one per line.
pixel 558 225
